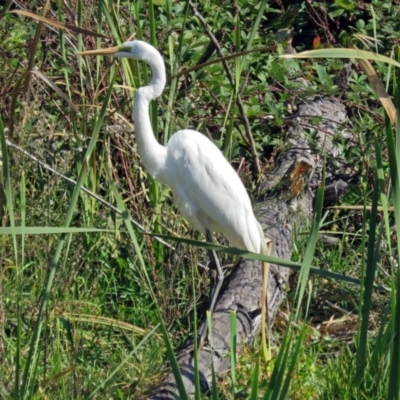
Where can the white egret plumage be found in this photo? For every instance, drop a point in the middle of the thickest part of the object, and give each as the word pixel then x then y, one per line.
pixel 207 190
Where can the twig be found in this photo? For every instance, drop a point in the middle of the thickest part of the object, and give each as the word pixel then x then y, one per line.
pixel 232 82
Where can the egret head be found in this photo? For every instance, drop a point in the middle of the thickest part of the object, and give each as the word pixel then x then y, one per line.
pixel 131 49
pixel 140 51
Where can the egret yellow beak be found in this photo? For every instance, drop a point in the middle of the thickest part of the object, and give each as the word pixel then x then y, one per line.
pixel 101 52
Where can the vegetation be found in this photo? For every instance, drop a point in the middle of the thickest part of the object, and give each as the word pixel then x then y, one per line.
pixel 83 308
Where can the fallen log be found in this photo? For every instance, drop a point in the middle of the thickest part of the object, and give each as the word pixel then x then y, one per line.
pixel 285 204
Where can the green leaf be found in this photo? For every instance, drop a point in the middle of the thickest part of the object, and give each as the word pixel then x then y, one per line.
pixel 273 260
pixel 343 53
pixel 46 230
pixel 346 4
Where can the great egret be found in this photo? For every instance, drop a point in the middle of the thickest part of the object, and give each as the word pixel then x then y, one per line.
pixel 206 189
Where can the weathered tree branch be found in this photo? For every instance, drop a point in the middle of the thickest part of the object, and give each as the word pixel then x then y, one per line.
pixel 285 203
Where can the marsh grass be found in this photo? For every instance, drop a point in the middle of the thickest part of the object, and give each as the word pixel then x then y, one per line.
pixel 94 314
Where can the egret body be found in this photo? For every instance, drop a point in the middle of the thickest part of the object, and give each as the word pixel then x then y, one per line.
pixel 207 190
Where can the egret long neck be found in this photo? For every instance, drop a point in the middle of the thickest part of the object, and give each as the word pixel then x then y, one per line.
pixel 153 155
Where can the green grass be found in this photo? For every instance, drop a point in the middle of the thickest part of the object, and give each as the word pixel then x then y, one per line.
pixel 85 311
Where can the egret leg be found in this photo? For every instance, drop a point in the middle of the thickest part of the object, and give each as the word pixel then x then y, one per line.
pixel 216 280
pixel 216 274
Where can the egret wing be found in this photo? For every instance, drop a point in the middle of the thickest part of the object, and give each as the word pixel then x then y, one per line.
pixel 207 187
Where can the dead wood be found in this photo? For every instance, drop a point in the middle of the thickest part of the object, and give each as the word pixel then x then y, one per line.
pixel 285 204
